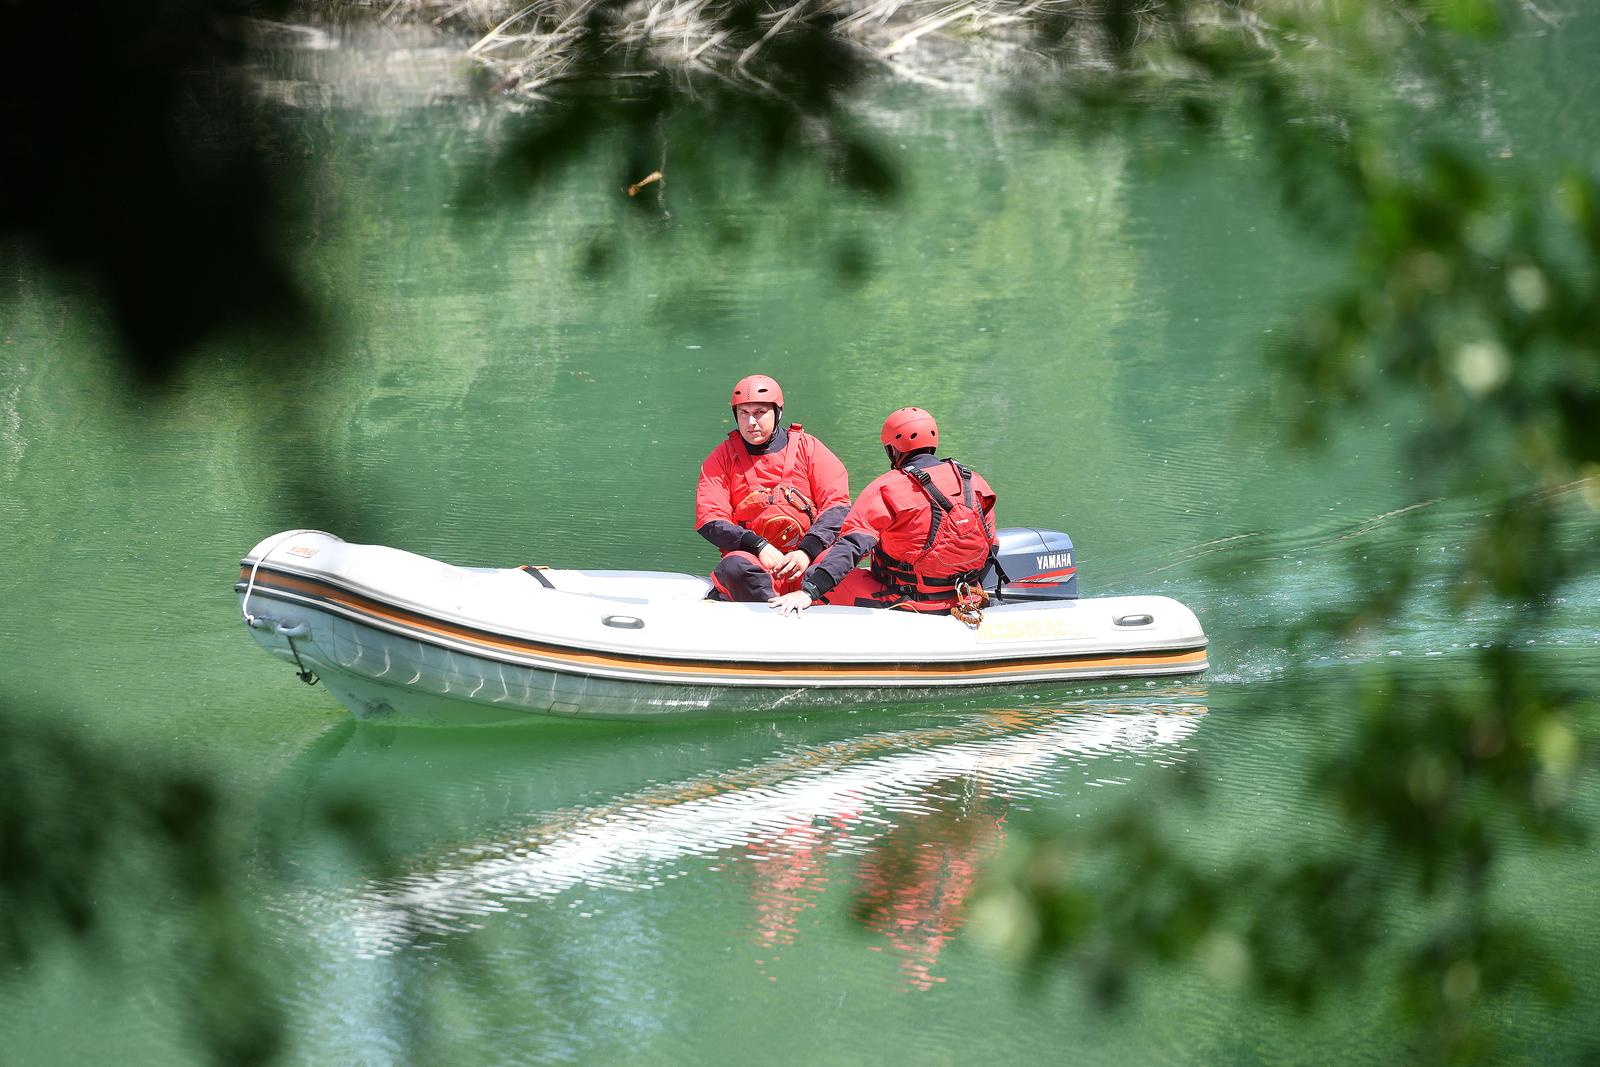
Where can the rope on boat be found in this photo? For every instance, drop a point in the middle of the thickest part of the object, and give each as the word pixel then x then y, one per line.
pixel 305 674
pixel 970 602
pixel 249 587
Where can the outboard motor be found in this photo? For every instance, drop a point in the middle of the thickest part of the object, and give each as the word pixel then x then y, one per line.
pixel 1038 565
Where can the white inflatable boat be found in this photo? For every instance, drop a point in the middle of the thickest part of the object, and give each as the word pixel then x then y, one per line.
pixel 394 634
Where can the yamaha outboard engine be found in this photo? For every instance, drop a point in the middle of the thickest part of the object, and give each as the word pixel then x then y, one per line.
pixel 1038 565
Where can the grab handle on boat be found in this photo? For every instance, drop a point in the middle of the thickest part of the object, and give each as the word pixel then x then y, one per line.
pixel 278 626
pixel 625 622
pixel 1134 620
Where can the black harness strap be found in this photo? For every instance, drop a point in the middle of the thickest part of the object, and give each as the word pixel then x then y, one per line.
pixel 1000 575
pixel 941 503
pixel 892 598
pixel 899 576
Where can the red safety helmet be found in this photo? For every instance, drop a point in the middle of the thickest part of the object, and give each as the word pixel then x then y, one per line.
pixel 757 389
pixel 909 429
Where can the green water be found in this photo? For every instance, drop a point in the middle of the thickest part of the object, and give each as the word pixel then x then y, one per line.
pixel 1086 321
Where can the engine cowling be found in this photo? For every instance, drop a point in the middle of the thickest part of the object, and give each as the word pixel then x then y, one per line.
pixel 1038 565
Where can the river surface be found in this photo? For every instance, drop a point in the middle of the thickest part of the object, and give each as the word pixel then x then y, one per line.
pixel 537 381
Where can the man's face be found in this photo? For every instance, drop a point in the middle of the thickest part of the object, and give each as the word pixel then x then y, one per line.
pixel 757 422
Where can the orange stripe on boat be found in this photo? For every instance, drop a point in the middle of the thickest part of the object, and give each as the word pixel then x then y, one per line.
pixel 266 581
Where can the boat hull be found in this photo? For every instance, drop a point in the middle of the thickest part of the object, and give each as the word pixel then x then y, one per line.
pixel 398 636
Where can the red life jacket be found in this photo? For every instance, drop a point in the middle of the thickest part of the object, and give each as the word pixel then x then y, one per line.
pixel 781 512
pixel 955 549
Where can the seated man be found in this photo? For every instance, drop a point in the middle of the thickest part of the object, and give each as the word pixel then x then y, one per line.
pixel 928 524
pixel 770 498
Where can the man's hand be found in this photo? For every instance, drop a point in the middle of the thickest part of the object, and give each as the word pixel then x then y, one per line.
pixel 770 557
pixel 790 603
pixel 793 565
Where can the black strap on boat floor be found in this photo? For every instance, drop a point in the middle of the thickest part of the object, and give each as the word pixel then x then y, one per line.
pixel 538 574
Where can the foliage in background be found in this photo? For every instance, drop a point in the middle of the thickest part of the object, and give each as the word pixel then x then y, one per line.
pixel 77 820
pixel 139 164
pixel 1471 284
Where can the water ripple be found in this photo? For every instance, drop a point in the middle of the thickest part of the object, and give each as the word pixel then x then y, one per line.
pixel 848 794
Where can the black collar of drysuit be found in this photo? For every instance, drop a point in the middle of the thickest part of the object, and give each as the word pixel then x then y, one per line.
pixel 775 443
pixel 923 460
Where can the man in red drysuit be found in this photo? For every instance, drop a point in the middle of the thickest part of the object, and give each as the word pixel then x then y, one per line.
pixel 770 498
pixel 928 525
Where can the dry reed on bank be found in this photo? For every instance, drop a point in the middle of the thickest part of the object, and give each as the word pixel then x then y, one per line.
pixel 532 47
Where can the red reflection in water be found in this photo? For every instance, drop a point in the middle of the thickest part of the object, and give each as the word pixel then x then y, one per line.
pixel 788 878
pixel 913 888
pixel 913 883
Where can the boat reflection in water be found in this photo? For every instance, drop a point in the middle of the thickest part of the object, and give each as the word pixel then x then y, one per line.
pixel 921 839
pixel 904 819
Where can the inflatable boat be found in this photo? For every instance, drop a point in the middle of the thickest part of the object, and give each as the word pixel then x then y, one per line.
pixel 395 635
